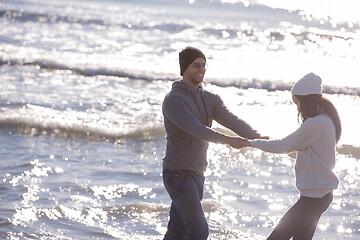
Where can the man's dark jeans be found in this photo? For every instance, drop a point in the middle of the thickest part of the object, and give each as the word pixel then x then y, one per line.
pixel 187 219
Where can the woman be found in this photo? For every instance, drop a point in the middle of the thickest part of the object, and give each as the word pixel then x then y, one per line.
pixel 314 143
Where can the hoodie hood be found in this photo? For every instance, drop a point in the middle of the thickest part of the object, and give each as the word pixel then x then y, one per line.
pixel 183 85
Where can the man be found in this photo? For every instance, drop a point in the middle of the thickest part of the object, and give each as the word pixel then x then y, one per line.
pixel 188 114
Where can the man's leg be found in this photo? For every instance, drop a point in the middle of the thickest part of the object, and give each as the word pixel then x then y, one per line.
pixel 176 228
pixel 187 219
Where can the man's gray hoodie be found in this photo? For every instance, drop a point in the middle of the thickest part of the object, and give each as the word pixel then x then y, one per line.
pixel 188 116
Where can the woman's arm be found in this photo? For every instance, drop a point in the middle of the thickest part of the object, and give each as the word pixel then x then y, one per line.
pixel 300 139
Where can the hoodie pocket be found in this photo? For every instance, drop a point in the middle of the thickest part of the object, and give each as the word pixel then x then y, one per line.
pixel 180 142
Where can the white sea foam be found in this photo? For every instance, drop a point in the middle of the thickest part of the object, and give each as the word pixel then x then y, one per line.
pixel 36 121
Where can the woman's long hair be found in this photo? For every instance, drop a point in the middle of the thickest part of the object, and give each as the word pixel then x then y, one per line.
pixel 315 104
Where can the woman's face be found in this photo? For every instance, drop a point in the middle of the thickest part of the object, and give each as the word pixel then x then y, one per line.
pixel 296 101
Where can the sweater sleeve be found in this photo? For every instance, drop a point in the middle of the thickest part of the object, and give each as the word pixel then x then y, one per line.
pixel 175 109
pixel 227 119
pixel 298 140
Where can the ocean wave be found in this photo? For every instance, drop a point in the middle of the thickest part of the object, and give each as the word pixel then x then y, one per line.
pixel 349 150
pixel 279 85
pixel 46 18
pixel 252 31
pixel 274 34
pixel 89 71
pixel 139 207
pixel 269 85
pixel 35 120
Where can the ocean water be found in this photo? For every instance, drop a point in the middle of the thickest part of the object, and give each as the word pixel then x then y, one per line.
pixel 81 133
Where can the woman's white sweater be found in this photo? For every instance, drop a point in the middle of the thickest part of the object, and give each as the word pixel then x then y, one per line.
pixel 315 143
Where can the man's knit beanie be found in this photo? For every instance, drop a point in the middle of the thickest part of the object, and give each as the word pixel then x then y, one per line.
pixel 309 84
pixel 187 56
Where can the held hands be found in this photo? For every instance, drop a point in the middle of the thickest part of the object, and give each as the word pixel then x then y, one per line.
pixel 257 137
pixel 236 142
pixel 262 137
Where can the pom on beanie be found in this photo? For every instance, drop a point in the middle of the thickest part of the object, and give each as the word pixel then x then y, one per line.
pixel 187 56
pixel 309 84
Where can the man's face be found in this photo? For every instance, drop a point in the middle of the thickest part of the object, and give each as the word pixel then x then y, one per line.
pixel 195 73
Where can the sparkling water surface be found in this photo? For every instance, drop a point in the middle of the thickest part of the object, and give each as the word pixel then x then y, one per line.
pixel 81 132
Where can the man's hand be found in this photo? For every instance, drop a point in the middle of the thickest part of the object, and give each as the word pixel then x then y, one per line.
pixel 236 142
pixel 262 137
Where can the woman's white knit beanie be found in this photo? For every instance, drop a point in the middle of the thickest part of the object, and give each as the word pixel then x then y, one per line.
pixel 309 84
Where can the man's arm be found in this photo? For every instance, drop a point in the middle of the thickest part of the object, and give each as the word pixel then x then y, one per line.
pixel 174 108
pixel 227 119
